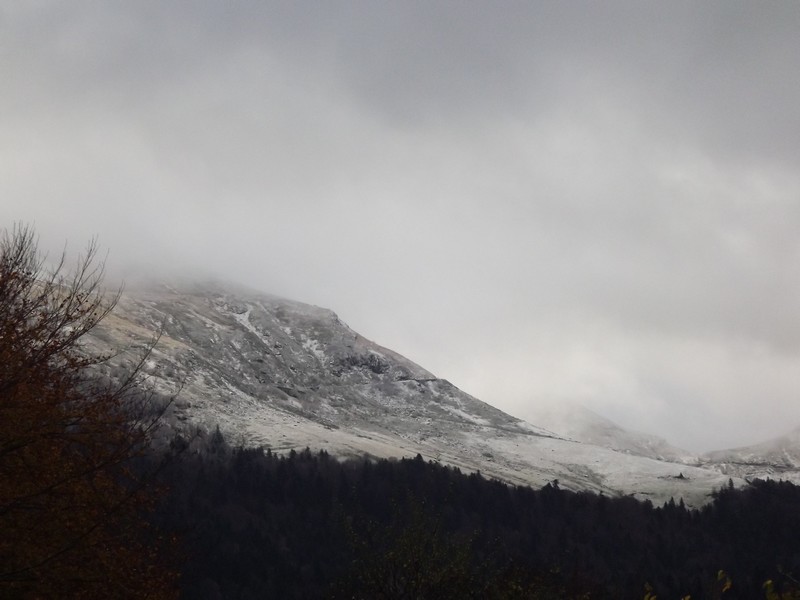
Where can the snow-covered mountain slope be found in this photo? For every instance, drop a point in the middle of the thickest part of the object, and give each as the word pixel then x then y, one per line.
pixel 283 374
pixel 578 423
pixel 778 458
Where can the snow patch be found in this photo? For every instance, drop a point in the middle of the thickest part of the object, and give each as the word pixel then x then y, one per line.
pixel 466 416
pixel 244 320
pixel 314 348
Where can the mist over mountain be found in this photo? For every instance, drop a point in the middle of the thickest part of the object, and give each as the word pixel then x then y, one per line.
pixel 507 207
pixel 548 201
pixel 579 423
pixel 286 375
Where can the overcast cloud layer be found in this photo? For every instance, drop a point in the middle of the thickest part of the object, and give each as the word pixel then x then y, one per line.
pixel 542 202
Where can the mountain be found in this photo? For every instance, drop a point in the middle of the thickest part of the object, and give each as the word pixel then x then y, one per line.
pixel 778 458
pixel 287 375
pixel 576 422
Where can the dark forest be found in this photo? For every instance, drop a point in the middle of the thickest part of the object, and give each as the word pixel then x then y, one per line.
pixel 254 524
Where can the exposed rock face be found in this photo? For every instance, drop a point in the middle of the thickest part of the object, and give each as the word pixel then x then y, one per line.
pixel 283 374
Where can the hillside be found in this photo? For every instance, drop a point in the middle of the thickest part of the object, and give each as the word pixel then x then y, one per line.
pixel 287 375
pixel 778 458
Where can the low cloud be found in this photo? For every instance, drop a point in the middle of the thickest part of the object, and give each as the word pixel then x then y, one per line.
pixel 594 203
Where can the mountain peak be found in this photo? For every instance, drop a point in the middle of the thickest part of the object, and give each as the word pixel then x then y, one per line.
pixel 284 374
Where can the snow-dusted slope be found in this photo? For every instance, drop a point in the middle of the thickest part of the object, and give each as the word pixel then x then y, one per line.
pixel 778 458
pixel 581 424
pixel 287 375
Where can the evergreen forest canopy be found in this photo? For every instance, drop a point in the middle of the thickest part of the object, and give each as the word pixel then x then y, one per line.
pixel 255 524
pixel 89 508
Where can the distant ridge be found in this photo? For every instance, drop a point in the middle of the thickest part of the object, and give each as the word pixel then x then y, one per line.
pixel 579 423
pixel 778 458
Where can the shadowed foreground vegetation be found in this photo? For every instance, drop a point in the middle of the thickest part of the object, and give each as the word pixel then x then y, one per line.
pixel 258 525
pixel 72 508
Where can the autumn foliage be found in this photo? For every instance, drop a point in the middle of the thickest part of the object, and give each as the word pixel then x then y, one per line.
pixel 71 507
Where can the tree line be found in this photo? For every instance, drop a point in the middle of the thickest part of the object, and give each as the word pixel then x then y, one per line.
pixel 256 524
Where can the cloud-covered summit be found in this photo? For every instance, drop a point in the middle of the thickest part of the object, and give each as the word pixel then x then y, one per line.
pixel 568 200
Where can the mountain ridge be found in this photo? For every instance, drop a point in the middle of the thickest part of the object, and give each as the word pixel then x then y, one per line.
pixel 279 373
pixel 776 458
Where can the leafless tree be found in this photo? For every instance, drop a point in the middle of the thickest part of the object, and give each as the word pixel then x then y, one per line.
pixel 70 503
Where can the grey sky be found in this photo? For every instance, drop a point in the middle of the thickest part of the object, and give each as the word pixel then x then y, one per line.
pixel 542 202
